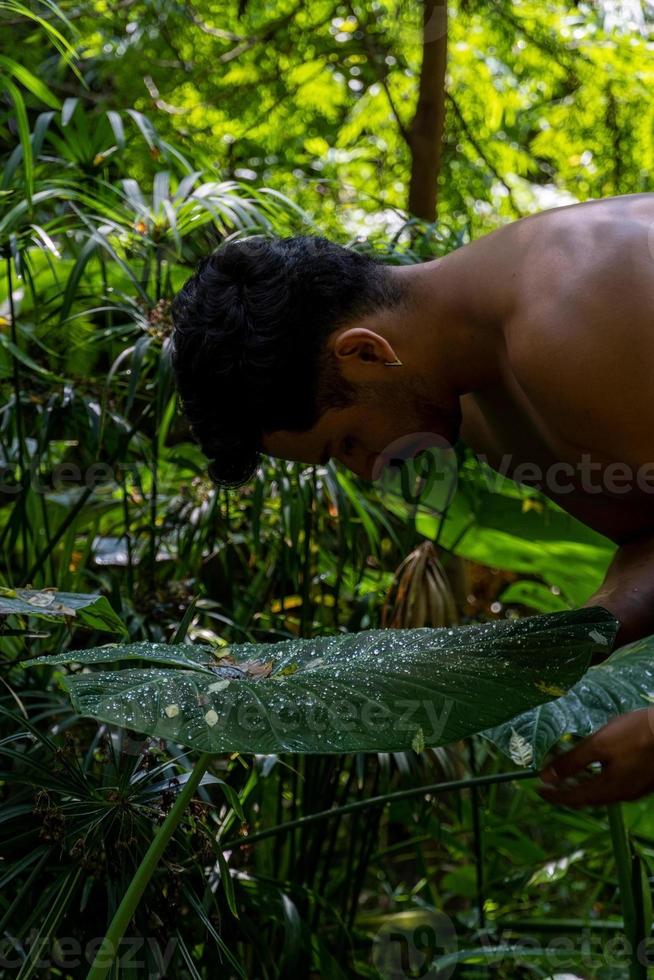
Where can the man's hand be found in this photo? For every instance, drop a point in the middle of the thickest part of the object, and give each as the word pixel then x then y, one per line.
pixel 624 747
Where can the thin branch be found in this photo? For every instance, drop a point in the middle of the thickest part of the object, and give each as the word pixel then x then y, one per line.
pixel 154 94
pixel 481 152
pixel 403 794
pixel 212 31
pixel 268 33
pixel 545 42
pixel 373 54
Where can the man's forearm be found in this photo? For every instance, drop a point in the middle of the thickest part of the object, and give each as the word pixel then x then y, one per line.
pixel 628 589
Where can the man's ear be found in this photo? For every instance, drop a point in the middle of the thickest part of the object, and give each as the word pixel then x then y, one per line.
pixel 359 349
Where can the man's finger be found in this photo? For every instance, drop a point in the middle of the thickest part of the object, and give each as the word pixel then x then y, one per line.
pixel 592 749
pixel 595 792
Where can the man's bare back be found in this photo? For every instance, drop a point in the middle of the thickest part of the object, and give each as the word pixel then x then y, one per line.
pixel 575 294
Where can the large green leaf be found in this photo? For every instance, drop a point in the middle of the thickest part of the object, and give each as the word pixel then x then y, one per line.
pixel 493 521
pixel 625 682
pixel 380 690
pixel 92 611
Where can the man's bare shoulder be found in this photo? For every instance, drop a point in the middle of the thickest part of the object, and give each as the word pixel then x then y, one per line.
pixel 566 253
pixel 580 339
pixel 584 272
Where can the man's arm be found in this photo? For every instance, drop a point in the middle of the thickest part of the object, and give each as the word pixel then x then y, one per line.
pixel 628 589
pixel 625 746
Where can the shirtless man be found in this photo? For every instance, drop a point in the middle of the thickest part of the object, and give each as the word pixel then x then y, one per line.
pixel 534 344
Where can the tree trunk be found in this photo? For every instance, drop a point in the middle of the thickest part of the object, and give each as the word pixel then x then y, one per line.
pixel 426 134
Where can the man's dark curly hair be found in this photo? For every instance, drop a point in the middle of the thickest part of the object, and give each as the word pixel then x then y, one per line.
pixel 249 341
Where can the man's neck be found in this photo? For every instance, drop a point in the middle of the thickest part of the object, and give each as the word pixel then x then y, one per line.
pixel 455 321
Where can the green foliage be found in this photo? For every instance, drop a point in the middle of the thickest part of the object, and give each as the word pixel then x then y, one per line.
pixel 316 100
pixel 93 611
pixel 381 690
pixel 624 683
pixel 135 137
